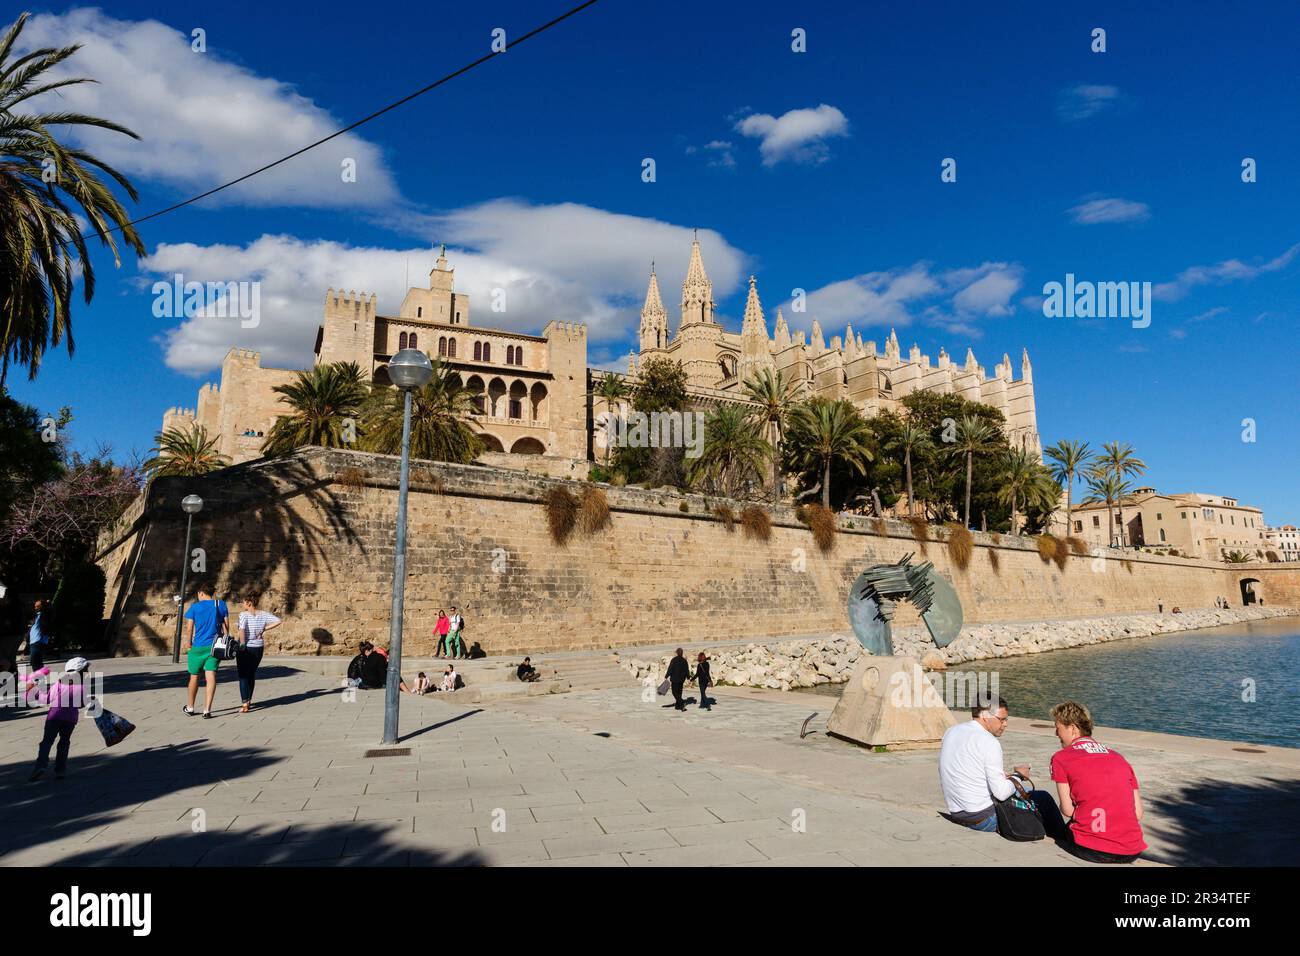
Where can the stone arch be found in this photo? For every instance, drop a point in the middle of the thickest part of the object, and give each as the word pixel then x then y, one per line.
pixel 538 404
pixel 518 398
pixel 477 398
pixel 496 391
pixel 528 446
pixel 727 363
pixel 1251 591
pixel 491 442
pixel 381 378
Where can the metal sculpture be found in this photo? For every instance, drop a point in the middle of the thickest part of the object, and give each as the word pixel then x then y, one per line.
pixel 877 591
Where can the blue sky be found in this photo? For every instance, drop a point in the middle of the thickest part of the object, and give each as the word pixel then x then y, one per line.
pixel 816 170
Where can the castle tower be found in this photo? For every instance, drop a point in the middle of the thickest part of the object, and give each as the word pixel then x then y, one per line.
pixel 440 302
pixel 654 317
pixel 347 333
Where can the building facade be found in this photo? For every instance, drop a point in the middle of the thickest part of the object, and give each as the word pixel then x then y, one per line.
pixel 1193 524
pixel 1284 542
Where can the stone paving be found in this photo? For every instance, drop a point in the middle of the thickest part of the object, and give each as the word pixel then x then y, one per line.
pixel 601 778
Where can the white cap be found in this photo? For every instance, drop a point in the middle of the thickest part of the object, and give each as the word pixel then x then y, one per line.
pixel 77 664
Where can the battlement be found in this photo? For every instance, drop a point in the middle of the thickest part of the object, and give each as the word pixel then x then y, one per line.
pixel 342 299
pixel 177 412
pixel 576 330
pixel 244 356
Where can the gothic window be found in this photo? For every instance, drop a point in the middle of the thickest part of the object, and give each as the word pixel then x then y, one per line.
pixel 487 351
pixel 519 355
pixel 451 348
pixel 516 408
pixel 401 341
pixel 442 346
pixel 411 342
pixel 510 355
pixel 478 351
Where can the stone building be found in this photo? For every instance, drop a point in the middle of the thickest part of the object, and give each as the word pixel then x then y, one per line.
pixel 1195 525
pixel 530 392
pixel 1284 541
pixel 717 362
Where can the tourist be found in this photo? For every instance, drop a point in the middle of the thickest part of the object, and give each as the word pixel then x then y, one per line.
pixel 354 666
pixel 972 777
pixel 455 624
pixel 449 676
pixel 527 672
pixel 253 624
pixel 66 696
pixel 38 640
pixel 1098 791
pixel 702 680
pixel 206 619
pixel 440 631
pixel 678 673
pixel 421 683
pixel 476 652
pixel 369 669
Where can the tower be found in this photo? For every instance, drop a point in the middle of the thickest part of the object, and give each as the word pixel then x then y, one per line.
pixel 755 351
pixel 697 291
pixel 654 317
pixel 699 334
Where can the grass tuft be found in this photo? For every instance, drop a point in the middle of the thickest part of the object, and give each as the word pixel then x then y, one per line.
pixel 756 523
pixel 561 513
pixel 961 545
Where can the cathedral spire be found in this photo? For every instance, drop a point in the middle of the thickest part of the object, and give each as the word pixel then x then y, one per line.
pixel 754 323
pixel 654 317
pixel 782 334
pixel 818 343
pixel 697 290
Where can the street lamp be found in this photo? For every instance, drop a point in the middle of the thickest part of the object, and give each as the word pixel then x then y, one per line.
pixel 409 369
pixel 191 505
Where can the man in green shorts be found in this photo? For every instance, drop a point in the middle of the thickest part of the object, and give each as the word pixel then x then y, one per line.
pixel 205 620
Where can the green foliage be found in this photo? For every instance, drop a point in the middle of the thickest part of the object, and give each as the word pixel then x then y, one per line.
pixel 733 452
pixel 660 387
pixel 77 608
pixel 440 420
pixel 185 452
pixel 823 434
pixel 26 460
pixel 322 400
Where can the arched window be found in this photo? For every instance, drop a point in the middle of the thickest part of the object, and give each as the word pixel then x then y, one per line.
pixel 411 343
pixel 401 341
pixel 442 346
pixel 487 351
pixel 419 312
pixel 519 355
pixel 478 351
pixel 510 355
pixel 451 348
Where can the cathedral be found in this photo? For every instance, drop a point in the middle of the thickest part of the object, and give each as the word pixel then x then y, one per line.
pixel 717 362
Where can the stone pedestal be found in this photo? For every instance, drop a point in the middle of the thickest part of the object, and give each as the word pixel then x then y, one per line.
pixel 889 702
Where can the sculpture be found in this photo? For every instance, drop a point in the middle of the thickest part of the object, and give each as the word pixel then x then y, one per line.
pixel 879 588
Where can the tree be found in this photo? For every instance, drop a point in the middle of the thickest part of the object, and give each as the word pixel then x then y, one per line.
pixel 824 432
pixel 1106 487
pixel 912 438
pixel 326 402
pixel 186 452
pixel 440 429
pixel 1027 481
pixel 973 437
pixel 773 397
pixel 733 451
pixel 1119 460
pixel 660 387
pixel 611 388
pixel 41 180
pixel 1069 460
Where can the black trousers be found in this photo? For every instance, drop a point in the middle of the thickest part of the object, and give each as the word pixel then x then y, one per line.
pixel 704 695
pixel 677 694
pixel 36 656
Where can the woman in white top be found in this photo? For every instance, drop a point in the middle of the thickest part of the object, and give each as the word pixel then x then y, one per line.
pixel 253 624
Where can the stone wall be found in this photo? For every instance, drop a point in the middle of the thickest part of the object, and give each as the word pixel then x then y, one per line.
pixel 314 533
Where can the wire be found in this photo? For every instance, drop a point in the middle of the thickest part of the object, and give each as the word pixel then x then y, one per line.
pixel 366 119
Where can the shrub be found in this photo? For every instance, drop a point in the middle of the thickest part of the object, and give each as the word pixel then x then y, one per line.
pixel 919 530
pixel 756 523
pixel 724 514
pixel 993 559
pixel 593 510
pixel 683 507
pixel 1046 547
pixel 1062 555
pixel 1077 545
pixel 995 537
pixel 353 478
pixel 1273 557
pixel 1128 565
pixel 851 525
pixel 561 513
pixel 821 522
pixel 960 545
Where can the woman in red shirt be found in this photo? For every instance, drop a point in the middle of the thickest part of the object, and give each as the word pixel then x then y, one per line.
pixel 1098 792
pixel 440 630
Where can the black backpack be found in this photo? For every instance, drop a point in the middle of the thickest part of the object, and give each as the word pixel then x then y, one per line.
pixel 1018 818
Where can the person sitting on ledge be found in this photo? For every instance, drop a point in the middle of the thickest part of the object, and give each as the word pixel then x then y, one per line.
pixel 450 679
pixel 369 669
pixel 972 777
pixel 1098 790
pixel 526 671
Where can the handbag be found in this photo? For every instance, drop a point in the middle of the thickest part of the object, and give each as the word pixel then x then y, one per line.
pixel 663 688
pixel 225 647
pixel 114 728
pixel 1018 819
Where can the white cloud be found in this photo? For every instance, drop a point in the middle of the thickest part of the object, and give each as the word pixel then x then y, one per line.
pixel 1086 100
pixel 202 120
pixel 797 135
pixel 1230 270
pixel 568 262
pixel 1108 210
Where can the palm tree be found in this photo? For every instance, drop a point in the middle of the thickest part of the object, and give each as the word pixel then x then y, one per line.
pixel 773 397
pixel 440 429
pixel 1020 474
pixel 324 400
pixel 733 450
pixel 912 437
pixel 611 388
pixel 1120 461
pixel 40 181
pixel 974 437
pixel 1110 489
pixel 184 452
pixel 827 431
pixel 1069 460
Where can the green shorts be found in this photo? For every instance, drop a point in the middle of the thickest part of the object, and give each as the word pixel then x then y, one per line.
pixel 201 659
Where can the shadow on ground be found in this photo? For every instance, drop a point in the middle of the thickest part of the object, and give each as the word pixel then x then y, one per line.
pixel 1216 824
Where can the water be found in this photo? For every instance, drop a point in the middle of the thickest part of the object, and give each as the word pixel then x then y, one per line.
pixel 1190 683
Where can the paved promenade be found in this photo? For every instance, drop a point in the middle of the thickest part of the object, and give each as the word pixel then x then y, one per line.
pixel 590 778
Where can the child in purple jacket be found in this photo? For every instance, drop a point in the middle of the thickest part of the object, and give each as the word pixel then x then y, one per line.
pixel 66 696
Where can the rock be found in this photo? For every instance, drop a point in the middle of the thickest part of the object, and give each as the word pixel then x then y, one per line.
pixel 933 660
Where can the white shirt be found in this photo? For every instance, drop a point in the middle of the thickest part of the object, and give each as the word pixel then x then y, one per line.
pixel 971 771
pixel 455 623
pixel 252 626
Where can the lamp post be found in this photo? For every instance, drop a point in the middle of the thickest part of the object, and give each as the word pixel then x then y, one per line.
pixel 409 369
pixel 191 505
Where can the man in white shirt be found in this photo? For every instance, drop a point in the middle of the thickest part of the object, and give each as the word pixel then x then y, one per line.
pixel 971 769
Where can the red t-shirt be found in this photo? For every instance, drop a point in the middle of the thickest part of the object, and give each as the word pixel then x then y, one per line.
pixel 1101 788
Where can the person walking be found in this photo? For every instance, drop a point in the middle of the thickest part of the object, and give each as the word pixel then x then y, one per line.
pixel 205 620
pixel 38 641
pixel 678 673
pixel 455 624
pixel 66 696
pixel 440 631
pixel 703 680
pixel 253 624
